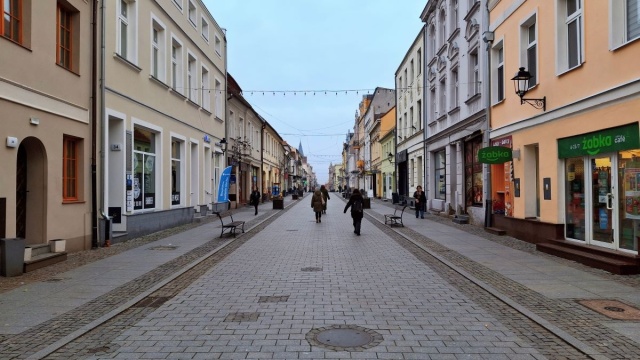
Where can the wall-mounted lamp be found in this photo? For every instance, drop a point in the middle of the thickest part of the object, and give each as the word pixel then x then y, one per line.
pixel 390 158
pixel 521 84
pixel 223 145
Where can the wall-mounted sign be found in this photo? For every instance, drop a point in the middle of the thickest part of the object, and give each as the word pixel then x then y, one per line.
pixel 206 139
pixel 593 143
pixel 494 155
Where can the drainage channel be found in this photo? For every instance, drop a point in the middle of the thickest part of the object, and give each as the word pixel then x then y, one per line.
pixel 514 310
pixel 96 337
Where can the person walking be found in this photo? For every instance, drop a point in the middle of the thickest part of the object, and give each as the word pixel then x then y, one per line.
pixel 325 197
pixel 254 199
pixel 357 213
pixel 317 203
pixel 421 201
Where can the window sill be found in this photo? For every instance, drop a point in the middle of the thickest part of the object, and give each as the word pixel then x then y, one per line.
pixel 441 118
pixel 159 82
pixel 68 202
pixel 193 103
pixel 209 113
pixel 127 62
pixel 218 119
pixel 454 110
pixel 15 43
pixel 473 98
pixel 499 102
pixel 69 70
pixel 176 93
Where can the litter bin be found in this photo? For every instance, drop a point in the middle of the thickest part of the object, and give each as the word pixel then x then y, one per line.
pixel 366 203
pixel 395 198
pixel 12 257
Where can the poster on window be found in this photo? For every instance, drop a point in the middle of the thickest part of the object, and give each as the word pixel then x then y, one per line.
pixel 632 193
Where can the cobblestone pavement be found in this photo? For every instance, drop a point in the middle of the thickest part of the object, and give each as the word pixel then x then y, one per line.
pixel 398 282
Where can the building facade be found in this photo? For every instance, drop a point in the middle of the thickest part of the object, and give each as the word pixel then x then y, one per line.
pixel 573 177
pixel 47 122
pixel 410 131
pixel 388 154
pixel 456 119
pixel 162 92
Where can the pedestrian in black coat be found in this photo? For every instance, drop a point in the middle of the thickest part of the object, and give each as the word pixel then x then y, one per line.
pixel 254 199
pixel 356 203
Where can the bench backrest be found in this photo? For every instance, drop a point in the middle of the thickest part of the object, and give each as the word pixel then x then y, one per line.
pixel 223 214
pixel 399 208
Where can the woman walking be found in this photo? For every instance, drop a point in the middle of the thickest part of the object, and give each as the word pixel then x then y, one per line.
pixel 317 205
pixel 355 202
pixel 421 201
pixel 325 197
pixel 254 199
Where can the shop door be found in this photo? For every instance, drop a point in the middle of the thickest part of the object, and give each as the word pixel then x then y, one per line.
pixel 604 216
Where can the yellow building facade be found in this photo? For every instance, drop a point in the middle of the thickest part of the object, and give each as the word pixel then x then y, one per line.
pixel 575 134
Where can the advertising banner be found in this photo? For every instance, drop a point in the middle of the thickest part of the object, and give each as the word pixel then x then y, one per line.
pixel 223 189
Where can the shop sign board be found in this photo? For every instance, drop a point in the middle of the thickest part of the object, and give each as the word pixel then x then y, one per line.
pixel 494 155
pixel 597 142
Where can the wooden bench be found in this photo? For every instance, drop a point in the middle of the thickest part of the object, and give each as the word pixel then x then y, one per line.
pixel 230 226
pixel 395 219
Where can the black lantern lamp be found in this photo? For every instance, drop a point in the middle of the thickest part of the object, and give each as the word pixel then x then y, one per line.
pixel 521 84
pixel 223 145
pixel 390 158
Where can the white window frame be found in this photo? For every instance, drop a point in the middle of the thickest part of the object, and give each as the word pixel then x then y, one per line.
pixel 179 4
pixel 455 87
pixel 192 14
pixel 158 46
pixel 563 22
pixel 474 72
pixel 526 44
pixel 181 140
pixel 619 24
pixel 177 81
pixel 192 77
pixel 157 131
pixel 204 25
pixel 218 96
pixel 130 52
pixel 442 103
pixel 419 61
pixel 232 125
pixel 496 50
pixel 205 84
pixel 442 18
pixel 217 44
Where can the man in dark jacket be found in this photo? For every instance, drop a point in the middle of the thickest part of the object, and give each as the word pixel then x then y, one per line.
pixel 357 213
pixel 254 199
pixel 421 201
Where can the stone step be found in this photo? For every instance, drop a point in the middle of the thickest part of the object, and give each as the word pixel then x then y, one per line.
pixel 44 260
pixel 613 262
pixel 495 231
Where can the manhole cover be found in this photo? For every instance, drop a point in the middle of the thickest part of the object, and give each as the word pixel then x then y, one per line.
pixel 164 247
pixel 311 268
pixel 613 308
pixel 292 230
pixel 344 338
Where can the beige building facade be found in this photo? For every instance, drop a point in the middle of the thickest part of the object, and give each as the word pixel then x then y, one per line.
pixel 46 127
pixel 162 94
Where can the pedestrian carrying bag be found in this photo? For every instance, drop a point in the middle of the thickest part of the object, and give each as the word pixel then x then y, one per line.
pixel 357 206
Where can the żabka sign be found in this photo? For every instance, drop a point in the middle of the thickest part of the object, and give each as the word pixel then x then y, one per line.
pixel 494 155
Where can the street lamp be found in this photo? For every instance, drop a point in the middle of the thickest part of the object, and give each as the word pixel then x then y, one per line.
pixel 521 84
pixel 390 158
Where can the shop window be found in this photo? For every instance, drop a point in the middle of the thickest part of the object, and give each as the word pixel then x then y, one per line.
pixel 473 172
pixel 575 196
pixel 439 175
pixel 176 171
pixel 144 169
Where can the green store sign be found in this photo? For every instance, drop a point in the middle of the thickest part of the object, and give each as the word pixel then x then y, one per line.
pixel 598 142
pixel 494 155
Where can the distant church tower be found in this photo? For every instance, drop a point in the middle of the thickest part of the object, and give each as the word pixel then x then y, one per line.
pixel 300 149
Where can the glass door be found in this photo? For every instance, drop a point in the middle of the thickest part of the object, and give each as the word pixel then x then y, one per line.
pixel 603 215
pixel 629 200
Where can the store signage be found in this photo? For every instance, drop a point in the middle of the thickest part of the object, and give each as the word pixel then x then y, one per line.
pixel 597 142
pixel 494 155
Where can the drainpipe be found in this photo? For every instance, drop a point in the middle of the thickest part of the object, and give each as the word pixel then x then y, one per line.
pixel 486 139
pixel 103 135
pixel 264 124
pixel 94 130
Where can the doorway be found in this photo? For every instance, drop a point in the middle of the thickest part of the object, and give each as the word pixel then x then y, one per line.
pixel 31 180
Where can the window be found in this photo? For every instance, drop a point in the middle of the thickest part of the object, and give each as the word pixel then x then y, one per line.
pixel 443 28
pixel 454 88
pixel 432 41
pixel 432 103
pixel 192 79
pixel 193 14
pixel 440 172
pixel 178 4
pixel 419 119
pixel 11 25
pixel 158 45
pixel 569 34
pixel 498 58
pixel 232 125
pixel 453 19
pixel 474 68
pixel 217 45
pixel 218 98
pixel 624 21
pixel 126 41
pixel 70 162
pixel 419 61
pixel 205 29
pixel 442 106
pixel 64 37
pixel 411 123
pixel 176 66
pixel 473 172
pixel 144 169
pixel 529 57
pixel 206 94
pixel 176 170
pixel 411 70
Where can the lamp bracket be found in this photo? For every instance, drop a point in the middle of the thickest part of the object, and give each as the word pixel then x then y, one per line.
pixel 536 103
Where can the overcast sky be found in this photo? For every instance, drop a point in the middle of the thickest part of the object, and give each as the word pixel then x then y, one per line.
pixel 298 45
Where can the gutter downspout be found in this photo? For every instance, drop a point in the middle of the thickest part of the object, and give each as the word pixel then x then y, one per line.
pixel 486 139
pixel 103 135
pixel 94 118
pixel 262 156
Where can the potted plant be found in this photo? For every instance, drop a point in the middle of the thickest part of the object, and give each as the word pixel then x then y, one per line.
pixel 278 202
